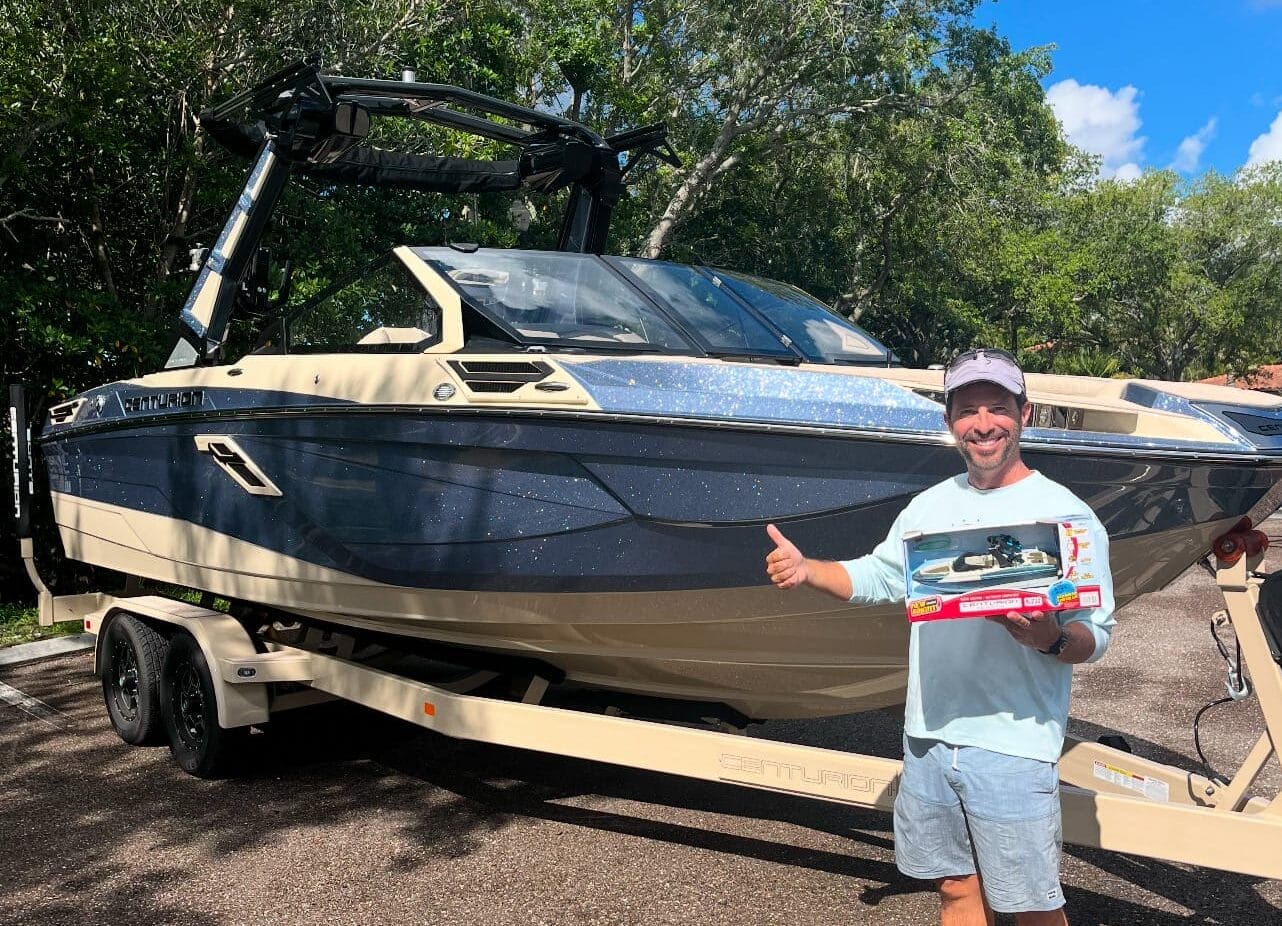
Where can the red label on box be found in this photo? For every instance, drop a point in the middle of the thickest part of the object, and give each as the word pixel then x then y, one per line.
pixel 990 602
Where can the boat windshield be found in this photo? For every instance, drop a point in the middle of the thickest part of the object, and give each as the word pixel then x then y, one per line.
pixel 728 327
pixel 558 299
pixel 380 309
pixel 584 302
pixel 819 332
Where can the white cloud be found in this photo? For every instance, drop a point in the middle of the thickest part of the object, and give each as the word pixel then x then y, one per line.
pixel 1268 147
pixel 1189 154
pixel 1101 122
pixel 1128 172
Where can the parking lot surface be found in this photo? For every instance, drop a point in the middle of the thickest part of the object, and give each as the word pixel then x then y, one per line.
pixel 350 818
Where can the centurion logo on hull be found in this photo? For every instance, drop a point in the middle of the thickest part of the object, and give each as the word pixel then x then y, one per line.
pixel 1268 427
pixel 161 401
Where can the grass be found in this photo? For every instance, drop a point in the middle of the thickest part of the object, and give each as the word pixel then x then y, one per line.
pixel 18 624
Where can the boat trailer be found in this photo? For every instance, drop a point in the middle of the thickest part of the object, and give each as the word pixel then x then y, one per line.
pixel 201 678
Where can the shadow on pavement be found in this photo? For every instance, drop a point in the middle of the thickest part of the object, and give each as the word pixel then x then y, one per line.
pixel 109 833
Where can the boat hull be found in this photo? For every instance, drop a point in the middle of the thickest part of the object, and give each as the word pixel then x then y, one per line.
pixel 627 553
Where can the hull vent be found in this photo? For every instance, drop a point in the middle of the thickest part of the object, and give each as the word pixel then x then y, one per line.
pixel 533 368
pixel 60 414
pixel 486 386
pixel 491 376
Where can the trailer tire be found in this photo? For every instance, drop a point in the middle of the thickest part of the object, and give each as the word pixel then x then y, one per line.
pixel 133 656
pixel 188 703
pixel 1270 611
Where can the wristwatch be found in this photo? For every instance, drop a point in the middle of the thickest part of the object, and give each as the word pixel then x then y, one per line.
pixel 1058 646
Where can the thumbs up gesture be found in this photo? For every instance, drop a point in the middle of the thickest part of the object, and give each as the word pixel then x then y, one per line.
pixel 785 565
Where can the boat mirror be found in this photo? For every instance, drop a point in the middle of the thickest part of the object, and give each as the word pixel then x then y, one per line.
pixel 349 126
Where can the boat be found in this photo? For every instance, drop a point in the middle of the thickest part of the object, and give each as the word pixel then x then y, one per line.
pixel 569 458
pixel 987 570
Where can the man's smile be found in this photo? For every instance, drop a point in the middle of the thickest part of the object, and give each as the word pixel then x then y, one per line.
pixel 987 443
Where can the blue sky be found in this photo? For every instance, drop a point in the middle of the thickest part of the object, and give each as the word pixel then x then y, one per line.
pixel 1150 84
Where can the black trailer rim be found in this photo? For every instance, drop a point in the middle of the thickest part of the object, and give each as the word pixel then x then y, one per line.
pixel 124 680
pixel 189 706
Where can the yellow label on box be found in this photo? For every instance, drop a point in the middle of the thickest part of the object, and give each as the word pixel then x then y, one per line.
pixel 923 606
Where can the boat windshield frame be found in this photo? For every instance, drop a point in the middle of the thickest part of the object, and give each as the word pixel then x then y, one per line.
pixel 772 344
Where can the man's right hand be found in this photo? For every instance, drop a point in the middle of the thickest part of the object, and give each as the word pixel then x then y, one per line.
pixel 785 565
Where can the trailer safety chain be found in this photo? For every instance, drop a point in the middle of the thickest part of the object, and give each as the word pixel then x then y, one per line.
pixel 1237 685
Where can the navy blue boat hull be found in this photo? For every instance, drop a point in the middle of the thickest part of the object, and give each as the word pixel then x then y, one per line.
pixel 628 552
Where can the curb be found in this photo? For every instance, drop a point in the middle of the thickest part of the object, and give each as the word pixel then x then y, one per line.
pixel 44 649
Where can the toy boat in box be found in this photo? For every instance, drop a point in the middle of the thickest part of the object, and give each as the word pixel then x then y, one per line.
pixel 1006 560
pixel 979 572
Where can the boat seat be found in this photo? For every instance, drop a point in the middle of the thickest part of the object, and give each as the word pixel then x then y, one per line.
pixel 386 335
pixel 582 333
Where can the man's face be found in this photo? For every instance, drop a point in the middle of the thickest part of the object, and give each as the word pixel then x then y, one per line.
pixel 986 423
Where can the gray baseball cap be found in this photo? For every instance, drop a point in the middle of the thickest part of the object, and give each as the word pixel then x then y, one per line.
pixel 984 365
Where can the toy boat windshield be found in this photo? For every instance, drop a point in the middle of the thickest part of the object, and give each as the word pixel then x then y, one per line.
pixel 1006 561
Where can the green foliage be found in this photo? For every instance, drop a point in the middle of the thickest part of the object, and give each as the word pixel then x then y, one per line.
pixel 19 624
pixel 1084 361
pixel 1173 280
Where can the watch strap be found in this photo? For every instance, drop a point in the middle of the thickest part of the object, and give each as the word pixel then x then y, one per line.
pixel 1058 646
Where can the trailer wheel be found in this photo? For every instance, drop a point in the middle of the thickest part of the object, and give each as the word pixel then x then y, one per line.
pixel 133 656
pixel 1270 611
pixel 190 709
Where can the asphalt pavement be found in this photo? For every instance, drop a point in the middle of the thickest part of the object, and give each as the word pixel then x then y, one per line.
pixel 350 818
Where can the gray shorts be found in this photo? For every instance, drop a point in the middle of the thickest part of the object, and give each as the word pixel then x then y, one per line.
pixel 962 806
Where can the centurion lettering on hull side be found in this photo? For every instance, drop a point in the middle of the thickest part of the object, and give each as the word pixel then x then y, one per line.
pixel 158 401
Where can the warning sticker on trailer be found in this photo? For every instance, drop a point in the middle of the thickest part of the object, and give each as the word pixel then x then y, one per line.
pixel 1151 788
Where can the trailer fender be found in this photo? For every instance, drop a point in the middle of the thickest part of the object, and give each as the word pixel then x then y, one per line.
pixel 241 701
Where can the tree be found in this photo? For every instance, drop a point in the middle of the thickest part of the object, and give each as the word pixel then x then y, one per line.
pixel 899 217
pixel 1177 279
pixel 747 81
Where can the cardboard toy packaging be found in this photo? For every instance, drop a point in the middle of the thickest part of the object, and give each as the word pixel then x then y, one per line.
pixel 978 572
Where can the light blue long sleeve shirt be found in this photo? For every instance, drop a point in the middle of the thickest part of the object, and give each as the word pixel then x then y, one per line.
pixel 969 682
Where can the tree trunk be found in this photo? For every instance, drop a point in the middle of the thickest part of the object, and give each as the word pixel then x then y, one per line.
pixel 176 234
pixel 628 63
pixel 695 185
pixel 98 237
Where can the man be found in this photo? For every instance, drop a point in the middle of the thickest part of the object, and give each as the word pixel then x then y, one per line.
pixel 978 805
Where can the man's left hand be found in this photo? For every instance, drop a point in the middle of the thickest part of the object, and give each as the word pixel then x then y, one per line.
pixel 1032 629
